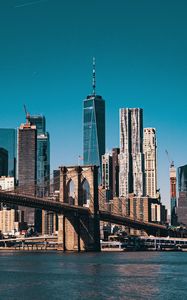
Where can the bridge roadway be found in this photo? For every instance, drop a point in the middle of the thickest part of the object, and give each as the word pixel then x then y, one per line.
pixel 63 208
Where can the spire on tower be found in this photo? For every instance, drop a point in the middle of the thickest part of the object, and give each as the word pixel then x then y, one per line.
pixel 93 78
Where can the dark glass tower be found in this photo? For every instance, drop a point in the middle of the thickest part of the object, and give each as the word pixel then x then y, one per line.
pixel 43 155
pixel 8 142
pixel 93 127
pixel 3 162
pixel 43 170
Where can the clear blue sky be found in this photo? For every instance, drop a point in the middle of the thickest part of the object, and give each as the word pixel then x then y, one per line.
pixel 141 56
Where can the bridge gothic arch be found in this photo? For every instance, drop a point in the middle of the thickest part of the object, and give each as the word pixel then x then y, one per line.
pixel 86 197
pixel 78 232
pixel 70 199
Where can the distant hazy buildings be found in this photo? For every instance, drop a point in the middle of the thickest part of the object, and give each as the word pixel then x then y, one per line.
pixel 150 161
pixel 8 142
pixel 131 158
pixel 93 127
pixel 182 200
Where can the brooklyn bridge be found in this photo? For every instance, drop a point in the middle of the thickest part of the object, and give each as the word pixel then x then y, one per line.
pixel 79 218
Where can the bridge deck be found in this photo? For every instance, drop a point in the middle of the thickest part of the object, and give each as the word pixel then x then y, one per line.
pixel 63 208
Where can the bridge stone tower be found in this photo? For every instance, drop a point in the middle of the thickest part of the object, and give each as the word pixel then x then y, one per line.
pixel 79 187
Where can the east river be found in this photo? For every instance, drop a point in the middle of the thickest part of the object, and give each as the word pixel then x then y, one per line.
pixel 55 275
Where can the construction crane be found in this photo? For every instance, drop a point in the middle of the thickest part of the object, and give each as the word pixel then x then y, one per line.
pixel 171 162
pixel 27 114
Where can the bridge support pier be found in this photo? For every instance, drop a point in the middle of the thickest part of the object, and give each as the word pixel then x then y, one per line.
pixel 78 233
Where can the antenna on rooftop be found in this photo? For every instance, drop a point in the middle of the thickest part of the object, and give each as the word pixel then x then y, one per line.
pixel 27 114
pixel 94 77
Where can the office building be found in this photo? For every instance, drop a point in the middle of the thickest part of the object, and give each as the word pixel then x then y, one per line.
pixel 40 123
pixel 173 194
pixel 110 174
pixel 131 158
pixel 43 168
pixel 107 175
pixel 27 166
pixel 3 162
pixel 115 172
pixel 8 141
pixel 150 161
pixel 43 155
pixel 93 128
pixel 182 200
pixel 27 153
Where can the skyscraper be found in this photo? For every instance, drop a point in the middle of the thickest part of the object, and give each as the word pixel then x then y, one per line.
pixel 8 142
pixel 93 127
pixel 43 155
pixel 42 219
pixel 173 194
pixel 131 158
pixel 182 201
pixel 27 151
pixel 149 149
pixel 27 162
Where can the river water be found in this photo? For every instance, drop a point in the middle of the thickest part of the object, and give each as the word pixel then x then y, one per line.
pixel 55 275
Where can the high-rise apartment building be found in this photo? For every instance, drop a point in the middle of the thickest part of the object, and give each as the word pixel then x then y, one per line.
pixel 27 163
pixel 93 127
pixel 150 161
pixel 131 158
pixel 8 142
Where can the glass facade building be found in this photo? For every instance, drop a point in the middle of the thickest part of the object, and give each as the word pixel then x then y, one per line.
pixel 39 122
pixel 8 142
pixel 43 172
pixel 182 178
pixel 93 130
pixel 43 154
pixel 3 162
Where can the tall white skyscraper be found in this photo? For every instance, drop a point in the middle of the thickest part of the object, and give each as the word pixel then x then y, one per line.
pixel 131 158
pixel 150 158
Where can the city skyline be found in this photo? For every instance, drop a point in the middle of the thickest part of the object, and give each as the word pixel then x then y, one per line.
pixel 137 66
